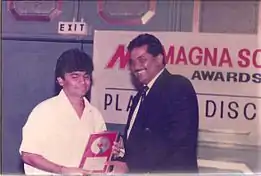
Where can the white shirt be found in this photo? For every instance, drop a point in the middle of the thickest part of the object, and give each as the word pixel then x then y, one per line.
pixel 150 84
pixel 55 131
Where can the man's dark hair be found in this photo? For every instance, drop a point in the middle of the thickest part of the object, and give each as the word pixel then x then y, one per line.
pixel 72 60
pixel 153 43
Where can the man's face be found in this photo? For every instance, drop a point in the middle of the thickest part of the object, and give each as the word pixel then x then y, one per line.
pixel 143 65
pixel 75 84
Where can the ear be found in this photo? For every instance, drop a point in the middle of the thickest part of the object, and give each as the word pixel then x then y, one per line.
pixel 160 59
pixel 60 81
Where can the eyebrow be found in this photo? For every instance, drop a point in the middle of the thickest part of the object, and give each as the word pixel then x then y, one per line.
pixel 73 73
pixel 139 57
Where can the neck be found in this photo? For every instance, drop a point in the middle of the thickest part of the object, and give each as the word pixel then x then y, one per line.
pixel 77 103
pixel 150 83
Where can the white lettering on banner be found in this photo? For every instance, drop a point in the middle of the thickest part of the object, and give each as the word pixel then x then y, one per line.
pixel 224 70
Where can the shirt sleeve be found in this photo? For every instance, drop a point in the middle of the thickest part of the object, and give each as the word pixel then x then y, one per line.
pixel 34 132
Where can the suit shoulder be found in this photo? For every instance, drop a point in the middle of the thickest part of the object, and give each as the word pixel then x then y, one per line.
pixel 179 80
pixel 182 87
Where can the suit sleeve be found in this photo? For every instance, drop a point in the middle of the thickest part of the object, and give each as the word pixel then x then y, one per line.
pixel 176 139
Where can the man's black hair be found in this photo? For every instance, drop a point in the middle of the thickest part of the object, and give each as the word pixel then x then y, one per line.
pixel 153 43
pixel 72 60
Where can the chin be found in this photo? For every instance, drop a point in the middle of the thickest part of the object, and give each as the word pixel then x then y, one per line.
pixel 84 93
pixel 143 82
pixel 81 94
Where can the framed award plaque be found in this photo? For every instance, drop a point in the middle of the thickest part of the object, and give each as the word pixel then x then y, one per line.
pixel 98 151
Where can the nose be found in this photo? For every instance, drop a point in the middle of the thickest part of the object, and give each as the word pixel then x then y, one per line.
pixel 136 65
pixel 82 79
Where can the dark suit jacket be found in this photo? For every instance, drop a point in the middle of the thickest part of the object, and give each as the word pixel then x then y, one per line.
pixel 164 135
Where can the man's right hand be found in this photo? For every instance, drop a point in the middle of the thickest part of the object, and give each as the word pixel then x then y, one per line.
pixel 44 164
pixel 118 148
pixel 74 171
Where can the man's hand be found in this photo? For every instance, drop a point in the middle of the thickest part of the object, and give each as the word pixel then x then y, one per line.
pixel 118 167
pixel 118 148
pixel 74 171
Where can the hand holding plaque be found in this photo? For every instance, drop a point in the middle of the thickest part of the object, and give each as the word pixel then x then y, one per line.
pixel 98 151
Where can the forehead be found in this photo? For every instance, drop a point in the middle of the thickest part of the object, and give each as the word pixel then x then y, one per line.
pixel 138 51
pixel 77 73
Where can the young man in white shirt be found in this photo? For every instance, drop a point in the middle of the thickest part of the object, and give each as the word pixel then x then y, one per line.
pixel 57 130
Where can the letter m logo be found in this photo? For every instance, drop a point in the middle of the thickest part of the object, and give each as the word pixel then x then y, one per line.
pixel 119 56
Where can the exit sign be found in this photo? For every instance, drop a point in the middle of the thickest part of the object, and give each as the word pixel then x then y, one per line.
pixel 78 28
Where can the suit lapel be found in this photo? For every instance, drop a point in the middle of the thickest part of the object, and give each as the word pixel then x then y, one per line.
pixel 150 98
pixel 154 95
pixel 135 101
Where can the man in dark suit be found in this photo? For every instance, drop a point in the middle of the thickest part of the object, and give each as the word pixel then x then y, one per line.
pixel 162 128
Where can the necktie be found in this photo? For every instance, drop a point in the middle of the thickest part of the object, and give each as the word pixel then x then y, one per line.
pixel 143 93
pixel 140 96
